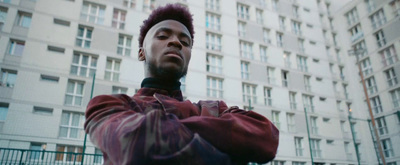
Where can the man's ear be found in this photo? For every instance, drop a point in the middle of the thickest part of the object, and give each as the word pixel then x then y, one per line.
pixel 141 55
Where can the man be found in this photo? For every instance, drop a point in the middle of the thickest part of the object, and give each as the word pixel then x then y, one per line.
pixel 156 126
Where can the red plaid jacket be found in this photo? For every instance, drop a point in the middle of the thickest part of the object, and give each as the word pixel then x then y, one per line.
pixel 154 127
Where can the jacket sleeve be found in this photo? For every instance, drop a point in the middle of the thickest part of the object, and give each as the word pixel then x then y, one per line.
pixel 244 135
pixel 129 136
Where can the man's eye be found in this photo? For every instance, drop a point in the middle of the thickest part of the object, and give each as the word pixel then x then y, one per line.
pixel 185 43
pixel 162 37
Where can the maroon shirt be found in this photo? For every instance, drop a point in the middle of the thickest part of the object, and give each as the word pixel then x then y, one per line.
pixel 157 127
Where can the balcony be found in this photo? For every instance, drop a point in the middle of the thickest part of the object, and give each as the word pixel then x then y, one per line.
pixel 372 89
pixel 271 80
pixel 357 36
pixel 389 60
pixel 392 82
pixel 381 42
pixel 23 156
pixel 215 47
pixel 285 83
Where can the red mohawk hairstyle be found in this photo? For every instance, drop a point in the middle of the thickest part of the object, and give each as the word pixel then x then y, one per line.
pixel 168 12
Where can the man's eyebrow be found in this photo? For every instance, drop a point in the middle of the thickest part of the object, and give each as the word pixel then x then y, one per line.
pixel 169 30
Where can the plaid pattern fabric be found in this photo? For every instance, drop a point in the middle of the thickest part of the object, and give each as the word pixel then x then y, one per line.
pixel 157 127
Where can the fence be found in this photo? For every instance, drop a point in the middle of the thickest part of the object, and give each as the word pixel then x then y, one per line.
pixel 10 156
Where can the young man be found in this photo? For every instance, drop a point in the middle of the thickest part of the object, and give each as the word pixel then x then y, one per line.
pixel 156 126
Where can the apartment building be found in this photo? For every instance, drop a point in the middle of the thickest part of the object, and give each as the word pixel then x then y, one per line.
pixel 372 26
pixel 285 59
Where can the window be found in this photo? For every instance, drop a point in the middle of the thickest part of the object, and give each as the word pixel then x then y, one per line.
pixel 371 85
pixel 315 148
pixel 292 100
pixel 356 33
pixel 352 16
pixel 314 127
pixel 308 103
pixel 24 19
pixel 243 11
pixel 275 119
pixel 275 5
pixel 149 5
pixel 302 63
pixel 246 49
pixel 346 94
pixel 296 27
pixel 298 143
pixel 98 157
pixel 307 84
pixel 370 5
pixel 278 162
pixel 391 77
pixel 263 54
pixel 389 56
pixel 42 110
pixel 8 78
pixel 118 20
pixel 245 70
pixel 338 106
pixel 286 59
pixel 93 13
pixel 347 151
pixel 259 16
pixel 366 67
pixel 395 7
pixel 213 42
pixel 387 148
pixel 282 23
pixel 74 93
pixel 183 84
pixel 56 49
pixel 249 93
pixel 291 122
pixel 266 36
pixel 69 153
pixel 35 154
pixel 298 163
pixel 301 45
pixel 295 11
pixel 213 21
pixel 395 94
pixel 3 111
pixel 83 65
pixel 279 39
pixel 214 64
pixel 3 16
pixel 119 90
pixel 267 96
pixel 378 19
pixel 124 45
pixel 382 127
pixel 72 125
pixel 212 4
pixel 112 69
pixel 285 78
pixel 361 45
pixel 271 75
pixel 380 38
pixel 241 29
pixel 214 87
pixel 376 105
pixel 16 47
pixel 130 3
pixel 84 37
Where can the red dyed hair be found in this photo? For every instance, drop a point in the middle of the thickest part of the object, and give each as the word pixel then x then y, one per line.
pixel 168 12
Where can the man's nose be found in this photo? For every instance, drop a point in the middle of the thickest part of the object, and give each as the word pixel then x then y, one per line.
pixel 174 41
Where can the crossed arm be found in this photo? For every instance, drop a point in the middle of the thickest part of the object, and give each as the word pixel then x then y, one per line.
pixel 128 134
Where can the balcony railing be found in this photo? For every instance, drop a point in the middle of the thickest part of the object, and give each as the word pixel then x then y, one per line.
pixel 23 156
pixel 357 36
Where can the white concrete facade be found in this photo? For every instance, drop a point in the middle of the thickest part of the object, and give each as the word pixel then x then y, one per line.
pixel 310 69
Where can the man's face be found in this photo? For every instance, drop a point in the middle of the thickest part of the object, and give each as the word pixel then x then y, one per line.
pixel 166 50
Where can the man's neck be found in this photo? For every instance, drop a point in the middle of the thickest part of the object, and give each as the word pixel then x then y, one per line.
pixel 169 85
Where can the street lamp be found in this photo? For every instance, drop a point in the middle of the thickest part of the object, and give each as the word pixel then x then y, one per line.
pixel 356 52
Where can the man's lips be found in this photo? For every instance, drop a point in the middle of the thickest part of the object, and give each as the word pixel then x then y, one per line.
pixel 173 53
